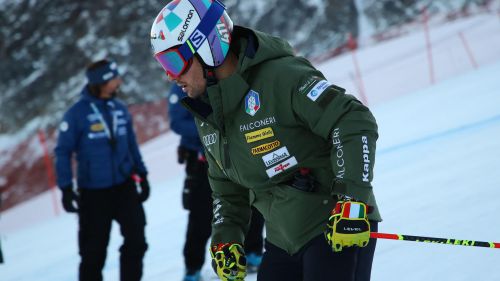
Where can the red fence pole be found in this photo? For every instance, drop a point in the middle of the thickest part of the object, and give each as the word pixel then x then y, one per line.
pixel 50 171
pixel 351 43
pixel 428 45
pixel 468 50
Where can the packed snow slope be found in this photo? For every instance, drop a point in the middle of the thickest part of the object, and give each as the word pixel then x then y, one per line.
pixel 436 175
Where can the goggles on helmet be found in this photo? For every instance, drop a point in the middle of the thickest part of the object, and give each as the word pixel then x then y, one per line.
pixel 175 61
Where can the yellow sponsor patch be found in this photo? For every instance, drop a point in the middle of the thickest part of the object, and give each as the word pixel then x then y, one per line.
pixel 96 127
pixel 259 135
pixel 265 147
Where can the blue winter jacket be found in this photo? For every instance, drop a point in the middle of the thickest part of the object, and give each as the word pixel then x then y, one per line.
pixel 99 163
pixel 181 120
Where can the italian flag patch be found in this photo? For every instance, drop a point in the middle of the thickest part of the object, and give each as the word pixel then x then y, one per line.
pixel 354 210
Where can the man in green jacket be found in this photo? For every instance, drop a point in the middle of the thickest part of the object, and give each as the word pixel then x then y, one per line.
pixel 277 136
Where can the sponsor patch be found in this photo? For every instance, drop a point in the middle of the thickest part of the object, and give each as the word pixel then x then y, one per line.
pixel 93 117
pixel 257 124
pixel 281 167
pixel 318 89
pixel 99 135
pixel 366 159
pixel 265 147
pixel 259 135
pixel 209 139
pixel 97 127
pixel 252 102
pixel 307 84
pixel 275 156
pixel 339 152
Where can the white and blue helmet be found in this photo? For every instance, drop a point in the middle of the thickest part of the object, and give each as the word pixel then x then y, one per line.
pixel 192 27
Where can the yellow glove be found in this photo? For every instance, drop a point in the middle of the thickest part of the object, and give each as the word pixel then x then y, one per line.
pixel 348 226
pixel 229 262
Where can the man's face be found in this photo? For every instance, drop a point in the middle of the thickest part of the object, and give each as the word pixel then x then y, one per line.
pixel 192 82
pixel 108 90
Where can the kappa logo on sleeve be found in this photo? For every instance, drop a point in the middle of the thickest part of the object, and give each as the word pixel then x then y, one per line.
pixel 259 135
pixel 281 167
pixel 318 90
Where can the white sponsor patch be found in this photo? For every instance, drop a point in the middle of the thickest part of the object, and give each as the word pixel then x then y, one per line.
pixel 318 89
pixel 63 127
pixel 100 135
pixel 281 167
pixel 275 156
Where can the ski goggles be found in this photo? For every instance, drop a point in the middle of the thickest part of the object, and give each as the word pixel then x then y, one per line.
pixel 173 62
pixel 176 61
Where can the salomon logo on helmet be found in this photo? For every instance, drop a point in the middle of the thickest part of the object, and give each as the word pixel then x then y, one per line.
pixel 186 25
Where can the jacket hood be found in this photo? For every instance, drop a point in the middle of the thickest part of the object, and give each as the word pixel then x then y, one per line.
pixel 256 47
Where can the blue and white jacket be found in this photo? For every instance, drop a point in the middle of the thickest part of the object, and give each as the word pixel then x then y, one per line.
pixel 86 130
pixel 182 121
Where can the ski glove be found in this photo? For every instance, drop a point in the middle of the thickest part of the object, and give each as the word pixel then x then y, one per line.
pixel 348 226
pixel 70 200
pixel 182 154
pixel 229 262
pixel 142 185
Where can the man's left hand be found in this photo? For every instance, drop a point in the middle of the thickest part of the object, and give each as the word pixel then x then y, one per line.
pixel 348 226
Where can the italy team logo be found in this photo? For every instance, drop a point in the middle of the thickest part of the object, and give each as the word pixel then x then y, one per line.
pixel 252 102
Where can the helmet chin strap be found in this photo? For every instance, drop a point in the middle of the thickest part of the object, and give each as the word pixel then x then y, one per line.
pixel 209 75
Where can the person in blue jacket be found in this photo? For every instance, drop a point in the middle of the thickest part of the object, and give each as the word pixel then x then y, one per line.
pixel 197 194
pixel 111 176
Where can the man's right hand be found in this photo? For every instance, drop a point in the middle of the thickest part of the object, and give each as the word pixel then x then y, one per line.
pixel 70 200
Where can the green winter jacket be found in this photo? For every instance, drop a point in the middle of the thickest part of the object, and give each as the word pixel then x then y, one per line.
pixel 271 119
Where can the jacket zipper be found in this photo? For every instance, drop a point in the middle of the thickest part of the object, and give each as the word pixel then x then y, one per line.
pixel 227 159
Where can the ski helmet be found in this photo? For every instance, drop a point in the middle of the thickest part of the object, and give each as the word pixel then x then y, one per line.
pixel 184 28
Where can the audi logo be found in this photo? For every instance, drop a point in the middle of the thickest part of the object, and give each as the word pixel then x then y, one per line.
pixel 210 139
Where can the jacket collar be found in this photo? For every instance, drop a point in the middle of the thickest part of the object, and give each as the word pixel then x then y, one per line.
pixel 92 99
pixel 225 98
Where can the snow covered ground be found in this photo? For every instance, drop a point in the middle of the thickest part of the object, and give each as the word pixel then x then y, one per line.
pixel 436 175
